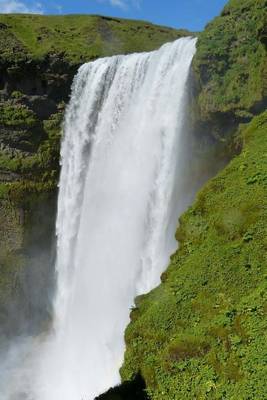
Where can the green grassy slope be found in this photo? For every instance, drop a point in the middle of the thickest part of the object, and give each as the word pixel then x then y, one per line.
pixel 78 37
pixel 231 62
pixel 202 333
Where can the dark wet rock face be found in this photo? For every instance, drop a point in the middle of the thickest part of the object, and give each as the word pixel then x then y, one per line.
pixel 132 390
pixel 32 100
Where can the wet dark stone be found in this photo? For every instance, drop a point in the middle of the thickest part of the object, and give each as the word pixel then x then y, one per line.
pixel 132 390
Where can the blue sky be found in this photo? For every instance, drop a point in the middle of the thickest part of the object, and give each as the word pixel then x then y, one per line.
pixel 190 14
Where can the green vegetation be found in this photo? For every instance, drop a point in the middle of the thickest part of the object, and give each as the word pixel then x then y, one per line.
pixel 17 115
pixel 202 333
pixel 78 38
pixel 231 62
pixel 27 212
pixel 18 120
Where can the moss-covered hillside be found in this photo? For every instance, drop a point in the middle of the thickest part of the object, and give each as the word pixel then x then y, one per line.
pixel 202 333
pixel 231 66
pixel 78 38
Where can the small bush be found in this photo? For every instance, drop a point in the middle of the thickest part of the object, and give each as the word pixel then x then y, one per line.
pixel 187 346
pixel 17 115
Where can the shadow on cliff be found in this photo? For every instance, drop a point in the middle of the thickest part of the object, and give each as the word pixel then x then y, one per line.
pixel 26 306
pixel 132 390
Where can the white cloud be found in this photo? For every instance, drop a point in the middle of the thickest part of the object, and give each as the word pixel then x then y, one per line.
pixel 124 4
pixel 59 9
pixel 16 6
pixel 118 3
pixel 137 3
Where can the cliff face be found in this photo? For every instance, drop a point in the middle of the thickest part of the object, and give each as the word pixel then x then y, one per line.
pixel 39 56
pixel 231 68
pixel 201 333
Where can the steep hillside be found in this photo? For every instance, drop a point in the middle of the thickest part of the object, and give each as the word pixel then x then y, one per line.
pixel 78 38
pixel 231 67
pixel 202 333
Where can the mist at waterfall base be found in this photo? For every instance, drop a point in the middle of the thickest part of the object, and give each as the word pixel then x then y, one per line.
pixel 123 185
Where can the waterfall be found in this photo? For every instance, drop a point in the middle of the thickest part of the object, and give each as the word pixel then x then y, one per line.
pixel 115 208
pixel 119 202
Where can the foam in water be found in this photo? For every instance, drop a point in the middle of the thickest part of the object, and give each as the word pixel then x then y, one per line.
pixel 117 212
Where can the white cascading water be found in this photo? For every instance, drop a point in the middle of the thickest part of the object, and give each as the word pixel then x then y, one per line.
pixel 119 155
pixel 117 211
